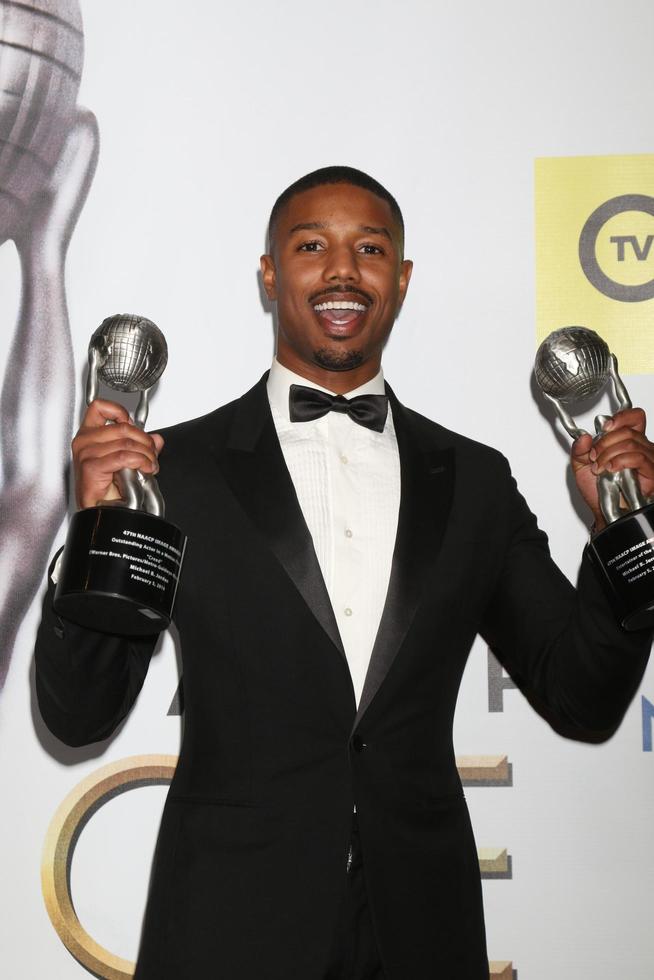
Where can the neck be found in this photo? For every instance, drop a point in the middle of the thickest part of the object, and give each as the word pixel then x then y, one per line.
pixel 338 382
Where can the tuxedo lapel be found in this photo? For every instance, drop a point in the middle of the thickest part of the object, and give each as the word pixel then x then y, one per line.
pixel 427 481
pixel 254 467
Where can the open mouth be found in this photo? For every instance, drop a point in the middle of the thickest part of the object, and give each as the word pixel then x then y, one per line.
pixel 340 313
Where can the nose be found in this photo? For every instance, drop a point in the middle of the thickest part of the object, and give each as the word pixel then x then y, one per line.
pixel 341 265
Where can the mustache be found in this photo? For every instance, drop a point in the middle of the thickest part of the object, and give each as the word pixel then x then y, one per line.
pixel 330 290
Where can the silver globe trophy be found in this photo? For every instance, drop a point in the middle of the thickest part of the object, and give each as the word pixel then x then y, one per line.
pixel 572 364
pixel 122 561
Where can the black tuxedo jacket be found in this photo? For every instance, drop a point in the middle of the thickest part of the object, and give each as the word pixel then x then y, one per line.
pixel 250 865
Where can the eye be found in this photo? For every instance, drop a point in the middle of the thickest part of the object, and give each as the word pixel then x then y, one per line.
pixel 369 249
pixel 310 246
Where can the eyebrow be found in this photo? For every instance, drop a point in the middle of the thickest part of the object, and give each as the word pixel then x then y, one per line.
pixel 369 230
pixel 308 226
pixel 320 226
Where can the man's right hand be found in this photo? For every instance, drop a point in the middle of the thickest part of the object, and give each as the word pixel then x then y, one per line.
pixel 101 450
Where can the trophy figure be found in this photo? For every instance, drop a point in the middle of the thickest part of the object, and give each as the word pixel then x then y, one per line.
pixel 121 563
pixel 572 364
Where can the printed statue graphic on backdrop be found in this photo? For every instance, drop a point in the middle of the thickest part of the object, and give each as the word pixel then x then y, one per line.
pixel 48 154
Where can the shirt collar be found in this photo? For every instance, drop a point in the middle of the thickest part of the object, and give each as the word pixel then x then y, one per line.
pixel 280 380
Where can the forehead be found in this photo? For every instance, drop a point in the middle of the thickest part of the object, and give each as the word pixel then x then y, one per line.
pixel 337 204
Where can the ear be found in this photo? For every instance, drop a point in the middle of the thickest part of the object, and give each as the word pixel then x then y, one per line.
pixel 406 269
pixel 268 276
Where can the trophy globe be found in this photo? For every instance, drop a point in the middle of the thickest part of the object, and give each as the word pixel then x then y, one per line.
pixel 572 364
pixel 133 352
pixel 41 56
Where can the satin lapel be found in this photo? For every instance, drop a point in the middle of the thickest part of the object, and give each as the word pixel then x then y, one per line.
pixel 427 481
pixel 254 467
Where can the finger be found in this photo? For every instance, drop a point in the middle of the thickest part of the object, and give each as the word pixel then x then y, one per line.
pixel 628 460
pixel 579 452
pixel 614 438
pixel 91 436
pixel 633 461
pixel 100 410
pixel 106 465
pixel 95 476
pixel 119 430
pixel 629 442
pixel 630 418
pixel 158 441
pixel 94 480
pixel 144 455
pixel 582 446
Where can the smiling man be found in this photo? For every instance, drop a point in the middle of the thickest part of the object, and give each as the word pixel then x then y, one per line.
pixel 340 563
pixel 338 275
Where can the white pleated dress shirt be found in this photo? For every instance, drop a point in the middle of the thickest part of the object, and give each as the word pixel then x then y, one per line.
pixel 347 480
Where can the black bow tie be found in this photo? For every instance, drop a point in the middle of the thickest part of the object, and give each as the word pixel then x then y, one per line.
pixel 307 404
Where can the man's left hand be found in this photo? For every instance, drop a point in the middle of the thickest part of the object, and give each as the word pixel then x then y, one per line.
pixel 622 445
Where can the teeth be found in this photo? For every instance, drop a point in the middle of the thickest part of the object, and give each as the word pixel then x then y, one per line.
pixel 340 305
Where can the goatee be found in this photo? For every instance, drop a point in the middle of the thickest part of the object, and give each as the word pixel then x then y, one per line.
pixel 338 360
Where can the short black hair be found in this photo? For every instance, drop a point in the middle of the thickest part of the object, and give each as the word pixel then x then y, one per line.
pixel 335 175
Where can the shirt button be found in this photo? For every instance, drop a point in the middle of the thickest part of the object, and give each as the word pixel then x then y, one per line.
pixel 344 458
pixel 348 611
pixel 348 533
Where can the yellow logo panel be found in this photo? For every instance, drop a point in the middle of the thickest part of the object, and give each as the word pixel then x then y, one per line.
pixel 595 252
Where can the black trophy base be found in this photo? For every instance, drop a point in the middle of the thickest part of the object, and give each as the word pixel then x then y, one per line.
pixel 120 571
pixel 624 554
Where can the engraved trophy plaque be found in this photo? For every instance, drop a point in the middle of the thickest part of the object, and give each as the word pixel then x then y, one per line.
pixel 572 364
pixel 121 563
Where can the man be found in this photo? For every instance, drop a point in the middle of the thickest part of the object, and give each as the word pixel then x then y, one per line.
pixel 340 563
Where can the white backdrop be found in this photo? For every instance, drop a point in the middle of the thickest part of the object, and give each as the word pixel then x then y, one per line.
pixel 206 111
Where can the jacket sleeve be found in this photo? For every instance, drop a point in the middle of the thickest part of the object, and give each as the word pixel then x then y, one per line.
pixel 563 647
pixel 86 682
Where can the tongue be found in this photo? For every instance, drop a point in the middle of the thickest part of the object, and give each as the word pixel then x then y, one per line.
pixel 340 316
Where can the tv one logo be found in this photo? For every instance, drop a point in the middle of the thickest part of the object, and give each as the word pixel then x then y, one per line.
pixel 615 248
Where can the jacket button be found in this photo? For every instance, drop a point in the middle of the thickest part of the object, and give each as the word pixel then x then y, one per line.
pixel 358 744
